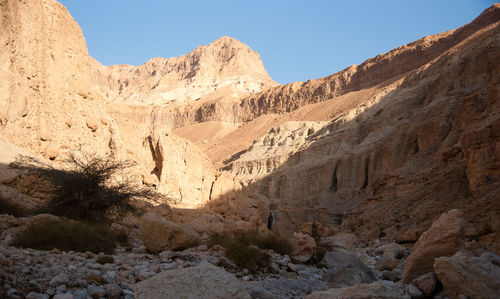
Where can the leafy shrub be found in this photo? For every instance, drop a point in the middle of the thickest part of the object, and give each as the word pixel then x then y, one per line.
pixel 7 207
pixel 245 248
pixel 67 235
pixel 86 188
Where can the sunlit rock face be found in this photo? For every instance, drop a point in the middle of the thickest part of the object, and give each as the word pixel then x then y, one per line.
pixel 381 148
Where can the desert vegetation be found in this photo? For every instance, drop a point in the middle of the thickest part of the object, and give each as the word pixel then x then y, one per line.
pixel 247 248
pixel 7 207
pixel 88 192
pixel 69 235
pixel 89 187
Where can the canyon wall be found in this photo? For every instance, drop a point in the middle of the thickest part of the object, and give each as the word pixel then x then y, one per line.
pixel 379 149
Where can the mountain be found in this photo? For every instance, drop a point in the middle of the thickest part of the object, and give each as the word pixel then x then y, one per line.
pixel 379 149
pixel 223 64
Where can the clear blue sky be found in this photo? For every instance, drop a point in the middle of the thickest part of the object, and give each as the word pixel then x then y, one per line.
pixel 297 40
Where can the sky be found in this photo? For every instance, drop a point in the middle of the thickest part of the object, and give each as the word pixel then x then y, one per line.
pixel 296 40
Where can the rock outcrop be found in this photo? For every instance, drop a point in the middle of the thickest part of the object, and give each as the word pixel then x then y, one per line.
pixel 367 148
pixel 46 101
pixel 203 281
pixel 225 65
pixel 395 137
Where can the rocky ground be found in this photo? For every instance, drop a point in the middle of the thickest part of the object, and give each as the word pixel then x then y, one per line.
pixel 43 274
pixel 348 268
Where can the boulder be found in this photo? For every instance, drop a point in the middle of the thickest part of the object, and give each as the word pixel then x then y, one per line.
pixel 203 281
pixel 379 289
pixel 159 234
pixel 466 274
pixel 207 223
pixel 426 283
pixel 344 240
pixel 345 269
pixel 59 279
pixel 443 238
pixel 386 263
pixel 410 236
pixel 304 247
pixel 317 229
pixel 414 292
pixel 393 251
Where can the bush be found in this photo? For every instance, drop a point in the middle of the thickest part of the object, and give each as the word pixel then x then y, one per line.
pixel 247 256
pixel 67 235
pixel 245 248
pixel 276 243
pixel 7 207
pixel 86 188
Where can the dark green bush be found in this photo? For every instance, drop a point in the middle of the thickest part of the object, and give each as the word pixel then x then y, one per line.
pixel 67 235
pixel 245 248
pixel 85 188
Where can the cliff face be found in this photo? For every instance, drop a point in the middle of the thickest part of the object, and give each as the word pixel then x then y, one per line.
pixel 46 103
pixel 223 64
pixel 378 148
pixel 417 141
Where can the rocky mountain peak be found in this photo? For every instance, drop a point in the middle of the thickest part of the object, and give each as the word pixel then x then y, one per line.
pixel 226 63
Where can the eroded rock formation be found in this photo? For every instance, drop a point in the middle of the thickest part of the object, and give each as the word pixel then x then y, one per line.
pixel 380 149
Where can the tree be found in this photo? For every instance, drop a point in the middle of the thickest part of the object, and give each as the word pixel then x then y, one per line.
pixel 89 187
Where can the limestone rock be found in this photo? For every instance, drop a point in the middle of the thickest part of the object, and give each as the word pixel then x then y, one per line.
pixel 304 247
pixel 426 283
pixel 414 292
pixel 35 295
pixel 207 223
pixel 176 168
pixel 345 269
pixel 443 238
pixel 344 240
pixel 59 279
pixel 46 79
pixel 384 170
pixel 378 289
pixel 386 263
pixel 466 274
pixel 203 281
pixel 410 236
pixel 223 64
pixel 159 234
pixel 393 251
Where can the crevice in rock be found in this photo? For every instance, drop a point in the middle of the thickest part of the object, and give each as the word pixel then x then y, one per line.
pixel 365 180
pixel 334 185
pixel 157 157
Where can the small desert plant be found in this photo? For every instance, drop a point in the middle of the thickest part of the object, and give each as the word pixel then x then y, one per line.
pixel 67 235
pixel 245 248
pixel 7 207
pixel 86 187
